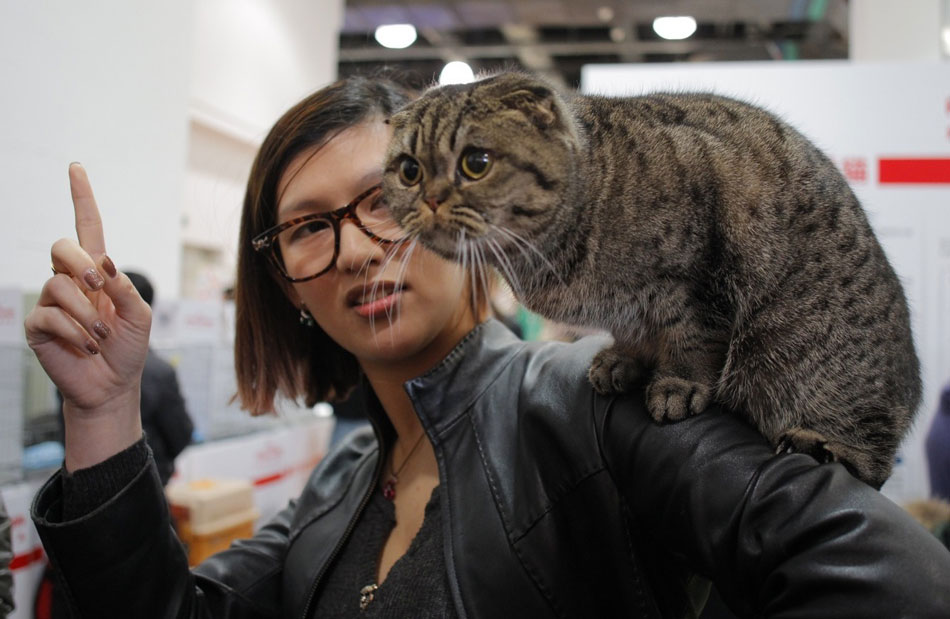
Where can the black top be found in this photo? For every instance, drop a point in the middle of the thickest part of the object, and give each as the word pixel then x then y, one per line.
pixel 416 585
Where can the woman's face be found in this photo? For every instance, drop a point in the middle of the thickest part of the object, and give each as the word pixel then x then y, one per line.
pixel 410 310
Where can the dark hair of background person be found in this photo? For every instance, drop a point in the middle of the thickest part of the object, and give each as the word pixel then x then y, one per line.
pixel 142 284
pixel 272 350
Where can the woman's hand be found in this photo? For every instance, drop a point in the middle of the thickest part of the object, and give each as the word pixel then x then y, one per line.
pixel 89 331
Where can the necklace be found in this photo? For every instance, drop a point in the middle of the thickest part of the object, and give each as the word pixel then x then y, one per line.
pixel 368 593
pixel 389 488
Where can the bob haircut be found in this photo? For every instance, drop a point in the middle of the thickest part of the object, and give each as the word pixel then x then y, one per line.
pixel 273 352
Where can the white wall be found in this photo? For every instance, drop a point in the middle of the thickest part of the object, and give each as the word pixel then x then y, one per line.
pixel 119 86
pixel 881 30
pixel 105 83
pixel 253 60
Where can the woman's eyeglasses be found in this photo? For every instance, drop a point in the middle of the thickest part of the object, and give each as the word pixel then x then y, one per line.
pixel 307 247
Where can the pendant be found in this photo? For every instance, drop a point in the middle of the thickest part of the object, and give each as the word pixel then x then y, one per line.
pixel 367 595
pixel 389 488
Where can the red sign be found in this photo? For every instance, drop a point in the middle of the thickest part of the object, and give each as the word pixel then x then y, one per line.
pixel 925 170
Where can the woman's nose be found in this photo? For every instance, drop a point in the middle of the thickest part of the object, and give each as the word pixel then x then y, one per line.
pixel 357 250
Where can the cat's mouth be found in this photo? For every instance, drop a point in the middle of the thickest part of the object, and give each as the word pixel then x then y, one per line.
pixel 453 233
pixel 449 242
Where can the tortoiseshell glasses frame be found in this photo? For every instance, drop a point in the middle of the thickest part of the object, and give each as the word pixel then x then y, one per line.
pixel 268 241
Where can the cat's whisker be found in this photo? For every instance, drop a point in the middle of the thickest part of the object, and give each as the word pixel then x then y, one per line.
pixel 488 273
pixel 401 273
pixel 396 249
pixel 468 263
pixel 470 219
pixel 506 269
pixel 461 254
pixel 390 253
pixel 544 260
pixel 526 257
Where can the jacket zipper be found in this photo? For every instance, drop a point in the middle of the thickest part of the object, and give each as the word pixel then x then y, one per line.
pixel 352 524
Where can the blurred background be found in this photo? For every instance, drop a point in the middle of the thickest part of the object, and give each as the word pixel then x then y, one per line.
pixel 556 38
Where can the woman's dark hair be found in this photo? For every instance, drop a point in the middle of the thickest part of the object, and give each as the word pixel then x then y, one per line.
pixel 273 351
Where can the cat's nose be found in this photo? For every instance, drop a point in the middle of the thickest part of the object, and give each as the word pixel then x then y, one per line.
pixel 437 197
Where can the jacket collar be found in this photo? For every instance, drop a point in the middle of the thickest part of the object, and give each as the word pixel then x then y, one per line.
pixel 445 392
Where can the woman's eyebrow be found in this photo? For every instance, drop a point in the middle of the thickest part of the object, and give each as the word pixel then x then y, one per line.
pixel 310 205
pixel 302 206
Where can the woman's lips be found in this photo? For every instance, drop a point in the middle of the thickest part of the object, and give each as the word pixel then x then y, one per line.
pixel 382 305
pixel 370 303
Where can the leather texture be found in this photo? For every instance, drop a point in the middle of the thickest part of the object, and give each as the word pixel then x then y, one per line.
pixel 557 503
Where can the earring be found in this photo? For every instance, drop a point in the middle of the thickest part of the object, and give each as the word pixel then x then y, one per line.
pixel 306 318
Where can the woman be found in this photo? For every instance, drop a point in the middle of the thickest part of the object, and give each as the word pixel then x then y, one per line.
pixel 495 483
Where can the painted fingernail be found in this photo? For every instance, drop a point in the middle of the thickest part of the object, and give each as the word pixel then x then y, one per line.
pixel 93 279
pixel 101 329
pixel 92 347
pixel 109 267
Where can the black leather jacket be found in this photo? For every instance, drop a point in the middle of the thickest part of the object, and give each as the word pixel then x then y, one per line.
pixel 557 503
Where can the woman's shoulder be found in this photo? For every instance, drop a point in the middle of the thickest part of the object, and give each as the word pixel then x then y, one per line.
pixel 559 366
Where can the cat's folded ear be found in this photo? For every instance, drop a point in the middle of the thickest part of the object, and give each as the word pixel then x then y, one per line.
pixel 398 119
pixel 538 103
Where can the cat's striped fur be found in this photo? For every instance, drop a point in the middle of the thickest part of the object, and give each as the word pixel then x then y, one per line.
pixel 724 252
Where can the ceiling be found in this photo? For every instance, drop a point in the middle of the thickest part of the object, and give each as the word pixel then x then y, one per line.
pixel 557 37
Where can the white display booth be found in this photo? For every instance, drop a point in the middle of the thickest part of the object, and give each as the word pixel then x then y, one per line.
pixel 887 126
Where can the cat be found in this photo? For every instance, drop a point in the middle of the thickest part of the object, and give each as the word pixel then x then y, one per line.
pixel 723 251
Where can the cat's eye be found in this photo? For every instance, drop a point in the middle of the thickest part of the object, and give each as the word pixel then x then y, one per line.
pixel 475 163
pixel 409 171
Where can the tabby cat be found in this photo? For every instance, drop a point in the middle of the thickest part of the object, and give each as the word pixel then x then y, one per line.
pixel 724 252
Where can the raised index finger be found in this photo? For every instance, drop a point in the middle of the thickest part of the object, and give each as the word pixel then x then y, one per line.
pixel 88 221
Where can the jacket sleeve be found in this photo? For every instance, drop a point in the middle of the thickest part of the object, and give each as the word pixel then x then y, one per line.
pixel 123 559
pixel 779 535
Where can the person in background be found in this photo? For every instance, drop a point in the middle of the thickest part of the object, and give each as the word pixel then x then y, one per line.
pixel 938 448
pixel 165 420
pixel 6 556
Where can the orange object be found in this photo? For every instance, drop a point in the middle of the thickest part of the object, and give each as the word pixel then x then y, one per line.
pixel 209 514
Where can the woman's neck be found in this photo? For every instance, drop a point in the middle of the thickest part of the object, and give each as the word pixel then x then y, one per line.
pixel 387 377
pixel 396 403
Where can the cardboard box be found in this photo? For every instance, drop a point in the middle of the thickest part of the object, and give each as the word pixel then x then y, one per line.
pixel 210 514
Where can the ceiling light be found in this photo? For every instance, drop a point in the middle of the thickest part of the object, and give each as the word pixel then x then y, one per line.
pixel 674 28
pixel 396 36
pixel 605 14
pixel 945 35
pixel 456 72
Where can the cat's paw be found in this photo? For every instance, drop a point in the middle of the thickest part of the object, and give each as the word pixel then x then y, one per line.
pixel 670 398
pixel 805 441
pixel 869 469
pixel 613 372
